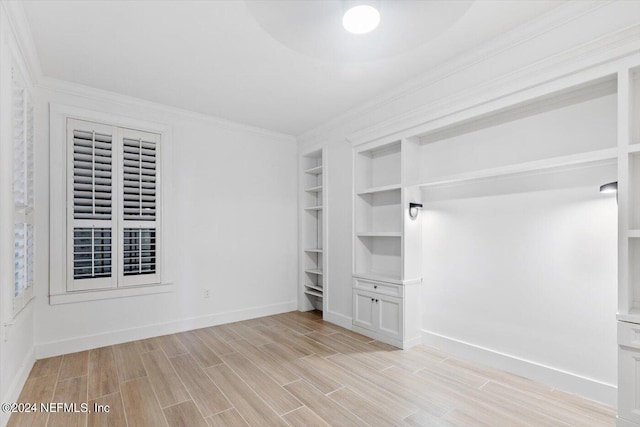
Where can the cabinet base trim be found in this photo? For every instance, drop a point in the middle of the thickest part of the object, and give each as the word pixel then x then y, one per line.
pixel 385 339
pixel 566 381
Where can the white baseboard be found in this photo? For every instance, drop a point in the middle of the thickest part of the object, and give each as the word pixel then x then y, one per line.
pixel 338 319
pixel 18 384
pixel 557 378
pixel 56 348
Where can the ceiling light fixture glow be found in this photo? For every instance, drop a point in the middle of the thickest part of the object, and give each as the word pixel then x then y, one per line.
pixel 361 19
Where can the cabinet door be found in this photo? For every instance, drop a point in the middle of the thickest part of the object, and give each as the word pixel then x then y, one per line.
pixel 363 310
pixel 629 371
pixel 389 311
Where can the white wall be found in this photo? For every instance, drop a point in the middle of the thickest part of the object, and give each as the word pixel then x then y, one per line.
pixel 528 274
pixel 232 225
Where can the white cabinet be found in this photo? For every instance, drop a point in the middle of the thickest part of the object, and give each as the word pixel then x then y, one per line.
pixel 379 314
pixel 628 374
pixel 387 312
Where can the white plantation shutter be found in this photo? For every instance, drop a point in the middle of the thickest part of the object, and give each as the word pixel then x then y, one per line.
pixel 90 206
pixel 112 206
pixel 139 179
pixel 92 175
pixel 140 155
pixel 23 192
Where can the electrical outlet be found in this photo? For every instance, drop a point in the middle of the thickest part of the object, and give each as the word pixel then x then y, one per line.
pixel 207 293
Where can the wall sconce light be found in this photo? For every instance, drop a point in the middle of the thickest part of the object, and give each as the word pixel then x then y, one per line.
pixel 413 209
pixel 611 187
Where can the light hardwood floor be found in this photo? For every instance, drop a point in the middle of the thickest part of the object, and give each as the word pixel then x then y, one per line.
pixel 290 369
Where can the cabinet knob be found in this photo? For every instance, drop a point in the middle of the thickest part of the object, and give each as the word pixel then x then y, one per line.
pixel 376 301
pixel 375 286
pixel 372 299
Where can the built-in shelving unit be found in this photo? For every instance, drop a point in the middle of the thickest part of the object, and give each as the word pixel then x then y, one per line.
pixel 629 247
pixel 385 291
pixel 312 258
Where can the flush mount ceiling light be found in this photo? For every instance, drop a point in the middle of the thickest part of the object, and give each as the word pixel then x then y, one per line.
pixel 360 17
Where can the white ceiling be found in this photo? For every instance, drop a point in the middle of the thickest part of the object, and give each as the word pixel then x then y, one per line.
pixel 283 65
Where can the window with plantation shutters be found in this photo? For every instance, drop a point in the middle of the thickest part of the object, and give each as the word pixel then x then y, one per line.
pixel 23 192
pixel 112 206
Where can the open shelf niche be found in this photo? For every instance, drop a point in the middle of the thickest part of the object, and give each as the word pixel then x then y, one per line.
pixel 312 268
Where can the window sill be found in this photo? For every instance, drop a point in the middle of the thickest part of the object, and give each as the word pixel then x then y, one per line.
pixel 82 296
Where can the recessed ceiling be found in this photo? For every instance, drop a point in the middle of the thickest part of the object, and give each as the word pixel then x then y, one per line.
pixel 264 63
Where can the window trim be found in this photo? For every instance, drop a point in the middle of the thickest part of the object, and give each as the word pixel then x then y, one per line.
pixel 58 148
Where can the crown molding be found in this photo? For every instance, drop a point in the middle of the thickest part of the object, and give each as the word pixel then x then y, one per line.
pixel 536 28
pixel 100 95
pixel 561 68
pixel 19 26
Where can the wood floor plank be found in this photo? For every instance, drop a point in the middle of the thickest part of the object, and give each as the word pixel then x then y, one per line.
pixel 304 417
pixel 407 388
pixel 423 419
pixel 225 332
pixel 214 341
pixel 389 402
pixel 553 407
pixel 163 379
pixel 74 365
pixel 102 373
pixel 36 390
pixel 250 334
pixel 115 417
pixel 229 418
pixel 200 352
pixel 342 344
pixel 171 345
pixel 206 395
pixel 140 404
pixel 46 367
pixel 274 366
pixel 286 339
pixel 71 391
pixel 253 409
pixel 184 414
pixel 149 344
pixel 128 362
pixel 324 407
pixel 292 324
pixel 367 410
pixel 270 391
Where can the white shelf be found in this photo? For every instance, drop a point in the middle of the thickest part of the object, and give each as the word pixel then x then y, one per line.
pixel 314 189
pixel 379 234
pixel 315 250
pixel 592 157
pixel 380 189
pixel 314 287
pixel 314 271
pixel 313 208
pixel 313 293
pixel 633 148
pixel 633 316
pixel 314 171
